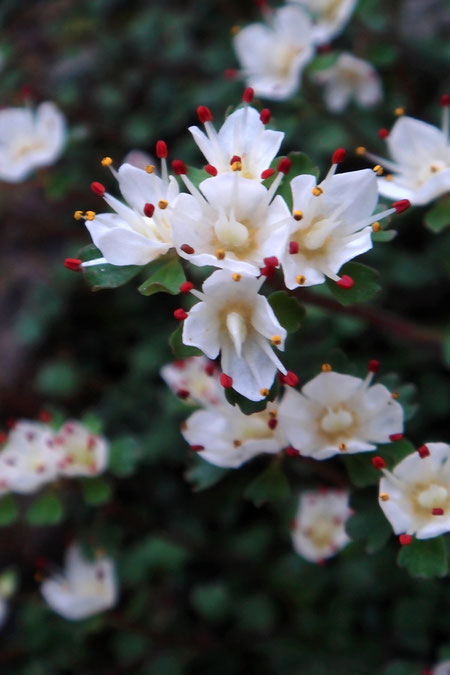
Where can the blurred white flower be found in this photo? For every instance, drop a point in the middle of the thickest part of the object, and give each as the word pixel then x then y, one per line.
pixel 8 584
pixel 415 496
pixel 329 16
pixel 273 54
pixel 350 78
pixel 195 380
pixel 339 414
pixel 441 668
pixel 82 453
pixel 319 526
pixel 232 318
pixel 29 140
pixel 84 589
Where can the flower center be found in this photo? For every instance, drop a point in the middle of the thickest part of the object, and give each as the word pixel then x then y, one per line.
pixel 335 422
pixel 314 239
pixel 230 232
pixel 434 496
pixel 321 533
pixel 237 330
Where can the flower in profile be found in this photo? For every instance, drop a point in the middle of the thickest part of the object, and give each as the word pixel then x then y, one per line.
pixel 273 54
pixel 29 139
pixel 235 320
pixel 331 223
pixel 339 414
pixel 329 16
pixel 82 452
pixel 350 78
pixel 84 589
pixel 195 380
pixel 224 436
pixel 319 526
pixel 415 495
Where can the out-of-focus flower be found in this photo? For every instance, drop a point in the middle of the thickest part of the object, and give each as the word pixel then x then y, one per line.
pixel 242 144
pixel 415 496
pixel 329 16
pixel 84 589
pixel 29 140
pixel 441 668
pixel 139 159
pixel 232 318
pixel 272 55
pixel 224 436
pixel 83 453
pixel 195 380
pixel 350 78
pixel 319 526
pixel 8 584
pixel 339 414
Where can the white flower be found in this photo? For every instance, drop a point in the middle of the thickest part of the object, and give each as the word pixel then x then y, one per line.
pixel 83 453
pixel 235 225
pixel 331 223
pixel 224 436
pixel 319 526
pixel 349 78
pixel 273 55
pixel 243 138
pixel 232 318
pixel 329 16
pixel 86 588
pixel 420 165
pixel 415 496
pixel 8 583
pixel 441 668
pixel 195 380
pixel 29 140
pixel 339 414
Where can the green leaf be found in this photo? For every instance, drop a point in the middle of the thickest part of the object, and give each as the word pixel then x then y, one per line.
pixel 8 510
pixel 424 558
pixel 124 454
pixel 211 601
pixel 96 491
pixel 365 286
pixel 270 486
pixel 180 350
pixel 249 407
pixel 438 218
pixel 368 523
pixel 167 278
pixel 360 468
pixel 105 275
pixel 197 175
pixel 203 475
pixel 384 236
pixel 45 510
pixel 322 62
pixel 288 310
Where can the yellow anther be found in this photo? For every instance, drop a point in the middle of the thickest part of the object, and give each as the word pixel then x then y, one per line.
pixel 78 215
pixel 236 277
pixel 163 204
pixel 342 447
pixel 106 161
pixel 300 279
pixel 237 443
pixel 220 254
pixel 276 339
pixel 326 368
pixel 264 391
pixel 384 496
pixel 378 169
pixel 235 30
pixel 272 413
pixel 360 150
pixel 298 215
pixel 317 191
pixel 89 215
pixel 434 168
pixel 149 168
pixel 389 176
pixel 236 166
pixel 394 395
pixel 376 226
pixel 399 111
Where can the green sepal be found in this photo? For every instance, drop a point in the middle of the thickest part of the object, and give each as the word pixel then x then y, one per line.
pixel 100 277
pixel 165 278
pixel 47 509
pixel 270 486
pixel 365 284
pixel 426 558
pixel 180 350
pixel 288 310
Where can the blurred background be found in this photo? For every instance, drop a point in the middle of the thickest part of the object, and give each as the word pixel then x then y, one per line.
pixel 209 583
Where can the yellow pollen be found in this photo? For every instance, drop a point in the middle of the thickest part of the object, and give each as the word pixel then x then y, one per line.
pixel 276 339
pixel 272 413
pixel 298 215
pixel 149 168
pixel 300 279
pixel 264 391
pixel 378 169
pixel 78 215
pixel 360 150
pixel 317 191
pixel 237 443
pixel 220 254
pixel 106 161
pixel 163 204
pixel 376 227
pixel 399 111
pixel 326 368
pixel 236 277
pixel 235 30
pixel 342 447
pixel 89 215
pixel 236 166
pixel 394 395
pixel 389 176
pixel 434 168
pixel 384 496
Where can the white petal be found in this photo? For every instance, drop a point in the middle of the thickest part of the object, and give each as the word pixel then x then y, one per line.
pixel 201 329
pixel 412 141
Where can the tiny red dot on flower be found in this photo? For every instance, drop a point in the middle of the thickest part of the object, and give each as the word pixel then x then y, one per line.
pixel 234 159
pixel 401 205
pixel 248 95
pixel 291 452
pixel 161 149
pixel 226 381
pixel 267 173
pixel 338 155
pixel 265 115
pixel 187 249
pixel 98 188
pixel 345 282
pixel 272 423
pixel 179 167
pixel 186 287
pixel 395 437
pixel 271 261
pixel 197 448
pixel 293 247
pixel 445 100
pixel 182 393
pixel 209 168
pixel 373 366
pixel 291 379
pixel 268 271
pixel 180 314
pixel 437 511
pixel 230 73
pixel 284 165
pixel 3 436
pixel 405 539
pixel 210 368
pixel 149 210
pixel 45 416
pixel 73 264
pixel 378 462
pixel 423 451
pixel 383 133
pixel 204 114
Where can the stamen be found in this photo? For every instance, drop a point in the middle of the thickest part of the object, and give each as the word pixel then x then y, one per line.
pixel 290 379
pixel 300 279
pixel 186 287
pixel 291 452
pixel 326 368
pixel 237 443
pixel 271 261
pixel 180 314
pixel 149 210
pixel 423 451
pixel 401 205
pixel 106 161
pixel 98 188
pixel 298 215
pixel 378 169
pixel 236 166
pixel 373 366
pixel 395 437
pixel 384 497
pixel 284 165
pixel 360 150
pixel 89 215
pixel 150 168
pixel 378 462
pixel 338 156
pixel 163 204
pixel 395 395
pixel 220 254
pixel 405 539
pixel 161 149
pixel 389 177
pixel 276 339
pixel 293 247
pixel 230 73
pixel 267 173
pixel 265 115
pixel 209 168
pixel 376 226
pixel 437 511
pixel 399 111
pixel 273 422
pixel 197 448
pixel 226 381
pixel 383 133
pixel 317 191
pixel 179 167
pixel 204 114
pixel 342 447
pixel 236 276
pixel 73 264
pixel 78 215
pixel 345 282
pixel 248 95
pixel 264 392
pixel 187 249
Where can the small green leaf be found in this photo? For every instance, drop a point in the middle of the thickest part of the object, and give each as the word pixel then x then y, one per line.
pixel 249 407
pixel 124 454
pixel 288 310
pixel 197 176
pixel 105 275
pixel 203 475
pixel 45 510
pixel 359 466
pixel 167 278
pixel 424 558
pixel 365 286
pixel 438 218
pixel 368 524
pixel 384 236
pixel 8 510
pixel 180 350
pixel 96 491
pixel 211 601
pixel 270 486
pixel 322 62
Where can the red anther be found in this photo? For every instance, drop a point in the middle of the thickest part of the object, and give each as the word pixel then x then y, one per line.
pixel 268 271
pixel 209 168
pixel 234 159
pixel 98 188
pixel 179 167
pixel 423 451
pixel 291 452
pixel 182 393
pixel 267 173
pixel 293 247
pixel 149 210
pixel 210 369
pixel 27 90
pixel 230 73
pixel 401 205
pixel 186 287
pixel 271 261
pixel 161 149
pixel 187 249
pixel 373 366
pixel 445 99
pixel 73 264
pixel 395 437
pixel 272 423
pixel 265 115
pixel 45 416
pixel 40 562
pixel 3 436
pixel 324 49
pixel 378 462
pixel 248 95
pixel 204 114
pixel 284 165
pixel 291 379
pixel 11 423
pixel 437 511
pixel 345 282
pixel 338 155
pixel 180 314
pixel 405 539
pixel 383 133
pixel 226 381
pixel 180 364
pixel 197 448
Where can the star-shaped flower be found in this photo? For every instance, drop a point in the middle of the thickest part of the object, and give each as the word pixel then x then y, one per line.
pixel 195 380
pixel 329 16
pixel 83 453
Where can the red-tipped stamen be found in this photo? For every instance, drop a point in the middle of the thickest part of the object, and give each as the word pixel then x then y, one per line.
pixel 186 287
pixel 179 167
pixel 378 462
pixel 338 156
pixel 373 366
pixel 204 114
pixel 230 73
pixel 226 381
pixel 395 437
pixel 405 539
pixel 423 451
pixel 383 133
pixel 293 247
pixel 291 452
pixel 272 423
pixel 235 159
pixel 210 368
pixel 271 261
pixel 161 149
pixel 268 271
pixel 284 165
pixel 209 168
pixel 45 416
pixel 187 249
pixel 345 282
pixel 248 95
pixel 180 314
pixel 290 379
pixel 197 448
pixel 267 173
pixel 98 188
pixel 401 205
pixel 437 511
pixel 149 210
pixel 445 100
pixel 265 115
pixel 183 393
pixel 73 264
